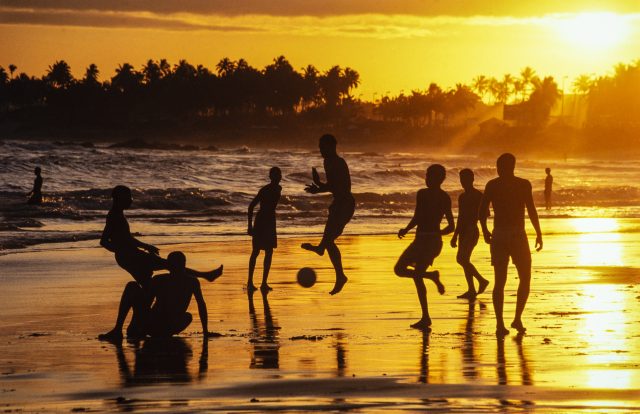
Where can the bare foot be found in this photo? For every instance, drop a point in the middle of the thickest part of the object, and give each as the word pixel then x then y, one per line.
pixel 501 331
pixel 517 325
pixel 468 295
pixel 423 324
pixel 435 276
pixel 316 249
pixel 340 282
pixel 214 274
pixel 483 285
pixel 114 336
pixel 264 288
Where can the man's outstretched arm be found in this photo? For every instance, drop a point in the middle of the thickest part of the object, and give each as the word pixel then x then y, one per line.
pixel 449 216
pixel 533 216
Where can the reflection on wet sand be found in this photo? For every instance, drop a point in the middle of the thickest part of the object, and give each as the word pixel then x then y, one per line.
pixel 263 337
pixel 424 358
pixel 469 359
pixel 160 360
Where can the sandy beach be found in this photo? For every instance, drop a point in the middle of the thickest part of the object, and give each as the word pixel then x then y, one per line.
pixel 304 350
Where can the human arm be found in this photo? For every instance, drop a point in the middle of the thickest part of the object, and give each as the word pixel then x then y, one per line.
pixel 448 215
pixel 456 232
pixel 144 246
pixel 533 216
pixel 317 186
pixel 252 205
pixel 202 307
pixel 483 213
pixel 105 239
pixel 412 222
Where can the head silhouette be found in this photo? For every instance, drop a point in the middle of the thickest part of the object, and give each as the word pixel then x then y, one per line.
pixel 547 170
pixel 121 196
pixel 466 178
pixel 275 175
pixel 328 144
pixel 176 262
pixel 506 165
pixel 435 175
pixel 37 171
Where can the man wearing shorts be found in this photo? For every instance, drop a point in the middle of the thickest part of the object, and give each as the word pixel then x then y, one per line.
pixel 341 209
pixel 167 316
pixel 432 204
pixel 509 195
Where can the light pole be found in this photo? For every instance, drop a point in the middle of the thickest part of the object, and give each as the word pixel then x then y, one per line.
pixel 562 102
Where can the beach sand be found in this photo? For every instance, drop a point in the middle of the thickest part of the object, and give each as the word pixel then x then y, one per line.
pixel 306 350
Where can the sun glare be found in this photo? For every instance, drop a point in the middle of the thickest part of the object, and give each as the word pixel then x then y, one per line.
pixel 595 30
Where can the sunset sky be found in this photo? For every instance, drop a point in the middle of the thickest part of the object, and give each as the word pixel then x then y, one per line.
pixel 394 44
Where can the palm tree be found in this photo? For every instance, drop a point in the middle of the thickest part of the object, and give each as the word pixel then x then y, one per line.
pixel 12 69
pixel 4 77
pixel 165 67
pixel 527 74
pixel 505 88
pixel 152 71
pixel 481 85
pixel 225 67
pixel 91 74
pixel 582 85
pixel 59 74
pixel 126 78
pixel 351 80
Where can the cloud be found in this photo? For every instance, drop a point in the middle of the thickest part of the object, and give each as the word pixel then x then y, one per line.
pixel 324 8
pixel 107 20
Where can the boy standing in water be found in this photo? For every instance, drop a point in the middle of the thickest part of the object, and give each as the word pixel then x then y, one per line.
pixel 341 209
pixel 263 232
pixel 35 196
pixel 137 258
pixel 467 231
pixel 432 203
pixel 548 188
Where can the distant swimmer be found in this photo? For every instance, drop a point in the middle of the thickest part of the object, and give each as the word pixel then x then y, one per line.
pixel 341 209
pixel 167 316
pixel 432 204
pixel 263 231
pixel 548 188
pixel 509 195
pixel 466 234
pixel 35 196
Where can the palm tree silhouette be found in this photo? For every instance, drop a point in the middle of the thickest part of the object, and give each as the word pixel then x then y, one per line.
pixel 12 69
pixel 59 75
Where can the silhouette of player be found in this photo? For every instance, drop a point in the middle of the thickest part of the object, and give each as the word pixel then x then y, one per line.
pixel 35 196
pixel 432 204
pixel 341 209
pixel 137 258
pixel 468 234
pixel 170 295
pixel 263 231
pixel 509 195
pixel 548 188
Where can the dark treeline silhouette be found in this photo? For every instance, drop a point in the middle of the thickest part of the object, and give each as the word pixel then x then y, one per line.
pixel 159 91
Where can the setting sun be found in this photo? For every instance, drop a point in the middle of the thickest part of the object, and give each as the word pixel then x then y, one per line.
pixel 599 30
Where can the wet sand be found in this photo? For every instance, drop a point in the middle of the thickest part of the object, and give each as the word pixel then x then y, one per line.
pixel 305 350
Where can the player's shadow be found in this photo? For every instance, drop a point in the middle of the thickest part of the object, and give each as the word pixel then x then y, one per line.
pixel 160 360
pixel 264 337
pixel 525 372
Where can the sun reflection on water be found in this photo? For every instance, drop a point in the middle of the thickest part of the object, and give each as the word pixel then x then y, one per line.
pixel 598 242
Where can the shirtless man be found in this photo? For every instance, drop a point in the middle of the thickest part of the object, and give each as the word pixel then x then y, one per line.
pixel 432 205
pixel 467 232
pixel 341 209
pixel 548 188
pixel 167 316
pixel 509 195
pixel 35 196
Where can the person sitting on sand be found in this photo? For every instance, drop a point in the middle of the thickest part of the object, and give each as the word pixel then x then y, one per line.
pixel 467 231
pixel 432 203
pixel 35 196
pixel 137 258
pixel 341 209
pixel 509 195
pixel 263 232
pixel 167 316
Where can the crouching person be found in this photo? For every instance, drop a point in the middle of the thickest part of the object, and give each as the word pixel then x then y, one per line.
pixel 160 309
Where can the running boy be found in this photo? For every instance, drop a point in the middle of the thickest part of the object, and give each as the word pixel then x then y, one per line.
pixel 263 231
pixel 432 203
pixel 467 231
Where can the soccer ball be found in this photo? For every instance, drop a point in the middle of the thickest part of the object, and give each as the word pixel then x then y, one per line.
pixel 306 277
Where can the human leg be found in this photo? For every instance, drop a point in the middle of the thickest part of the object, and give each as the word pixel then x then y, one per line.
pixel 336 261
pixel 268 256
pixel 500 271
pixel 524 286
pixel 133 297
pixel 421 290
pixel 252 266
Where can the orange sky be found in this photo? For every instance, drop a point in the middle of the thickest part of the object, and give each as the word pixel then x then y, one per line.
pixel 394 44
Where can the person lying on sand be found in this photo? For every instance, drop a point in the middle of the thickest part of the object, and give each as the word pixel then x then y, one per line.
pixel 432 204
pixel 137 258
pixel 341 209
pixel 170 295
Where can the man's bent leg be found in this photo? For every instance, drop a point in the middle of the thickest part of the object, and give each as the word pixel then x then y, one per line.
pixel 132 297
